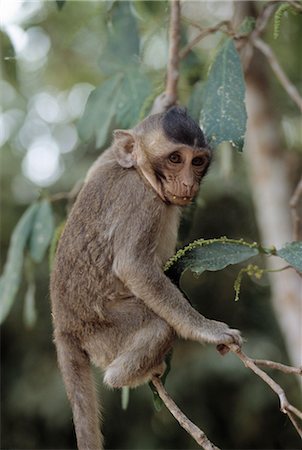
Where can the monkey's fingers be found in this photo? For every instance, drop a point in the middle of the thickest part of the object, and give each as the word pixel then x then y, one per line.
pixel 222 349
pixel 234 337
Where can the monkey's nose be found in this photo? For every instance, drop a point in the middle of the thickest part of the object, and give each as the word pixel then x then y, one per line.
pixel 187 188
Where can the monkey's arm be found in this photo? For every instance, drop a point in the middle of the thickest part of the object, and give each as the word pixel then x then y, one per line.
pixel 135 264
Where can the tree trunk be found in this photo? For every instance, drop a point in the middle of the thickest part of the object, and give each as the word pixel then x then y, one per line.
pixel 271 190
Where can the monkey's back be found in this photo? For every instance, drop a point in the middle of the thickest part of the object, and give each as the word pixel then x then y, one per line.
pixel 82 280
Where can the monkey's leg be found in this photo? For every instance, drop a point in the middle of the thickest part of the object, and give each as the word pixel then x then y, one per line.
pixel 142 356
pixel 79 383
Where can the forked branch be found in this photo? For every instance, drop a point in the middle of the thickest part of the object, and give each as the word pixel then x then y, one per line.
pixel 285 406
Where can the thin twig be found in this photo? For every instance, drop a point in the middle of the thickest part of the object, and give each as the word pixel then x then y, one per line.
pixel 168 98
pixel 186 423
pixel 294 204
pixel 282 367
pixel 295 423
pixel 205 32
pixel 295 4
pixel 277 69
pixel 246 45
pixel 285 406
pixel 173 60
pixel 263 18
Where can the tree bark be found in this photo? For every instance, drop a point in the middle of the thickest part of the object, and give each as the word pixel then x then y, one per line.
pixel 272 190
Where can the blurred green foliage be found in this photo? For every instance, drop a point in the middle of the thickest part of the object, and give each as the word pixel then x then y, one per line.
pixel 82 46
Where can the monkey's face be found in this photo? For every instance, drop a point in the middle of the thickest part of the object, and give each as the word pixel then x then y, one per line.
pixel 179 173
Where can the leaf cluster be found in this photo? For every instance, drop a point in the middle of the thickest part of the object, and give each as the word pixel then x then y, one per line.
pixel 120 101
pixel 217 254
pixel 29 242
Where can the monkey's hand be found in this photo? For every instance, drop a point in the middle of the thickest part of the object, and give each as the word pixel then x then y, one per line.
pixel 221 334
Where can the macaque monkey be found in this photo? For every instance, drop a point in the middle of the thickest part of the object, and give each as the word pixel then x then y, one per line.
pixel 112 304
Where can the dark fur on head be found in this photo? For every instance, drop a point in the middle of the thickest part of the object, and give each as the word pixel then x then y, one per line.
pixel 179 127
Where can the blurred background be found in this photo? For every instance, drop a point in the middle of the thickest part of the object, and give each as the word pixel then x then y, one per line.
pixel 53 54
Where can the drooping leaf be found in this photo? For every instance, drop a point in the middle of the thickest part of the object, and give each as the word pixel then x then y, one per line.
pixel 125 397
pixel 292 253
pixel 100 110
pixel 195 101
pixel 29 312
pixel 247 25
pixel 54 243
pixel 11 276
pixel 109 4
pixel 118 100
pixel 223 116
pixel 134 89
pixel 42 231
pixel 60 4
pixel 123 39
pixel 212 255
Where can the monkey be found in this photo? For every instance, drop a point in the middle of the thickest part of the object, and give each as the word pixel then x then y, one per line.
pixel 112 304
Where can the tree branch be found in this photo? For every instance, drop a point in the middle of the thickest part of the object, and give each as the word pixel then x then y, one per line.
pixel 277 69
pixel 204 32
pixel 168 98
pixel 295 4
pixel 281 367
pixel 198 435
pixel 263 18
pixel 294 204
pixel 285 406
pixel 173 61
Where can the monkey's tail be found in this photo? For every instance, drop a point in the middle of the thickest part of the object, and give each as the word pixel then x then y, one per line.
pixel 79 383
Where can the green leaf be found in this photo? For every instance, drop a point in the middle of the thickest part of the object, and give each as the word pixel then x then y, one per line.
pixel 12 272
pixel 60 4
pixel 212 255
pixel 29 312
pixel 54 242
pixel 223 117
pixel 118 100
pixel 292 253
pixel 195 101
pixel 123 39
pixel 248 25
pixel 125 397
pixel 42 231
pixel 134 90
pixel 100 111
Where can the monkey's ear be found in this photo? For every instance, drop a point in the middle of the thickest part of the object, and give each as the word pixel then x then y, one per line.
pixel 124 141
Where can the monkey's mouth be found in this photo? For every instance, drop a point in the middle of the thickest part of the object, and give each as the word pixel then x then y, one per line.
pixel 178 199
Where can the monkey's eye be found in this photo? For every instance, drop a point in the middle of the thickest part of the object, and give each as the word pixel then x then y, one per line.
pixel 198 161
pixel 175 158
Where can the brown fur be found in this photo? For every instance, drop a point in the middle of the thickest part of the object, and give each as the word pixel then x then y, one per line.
pixel 111 302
